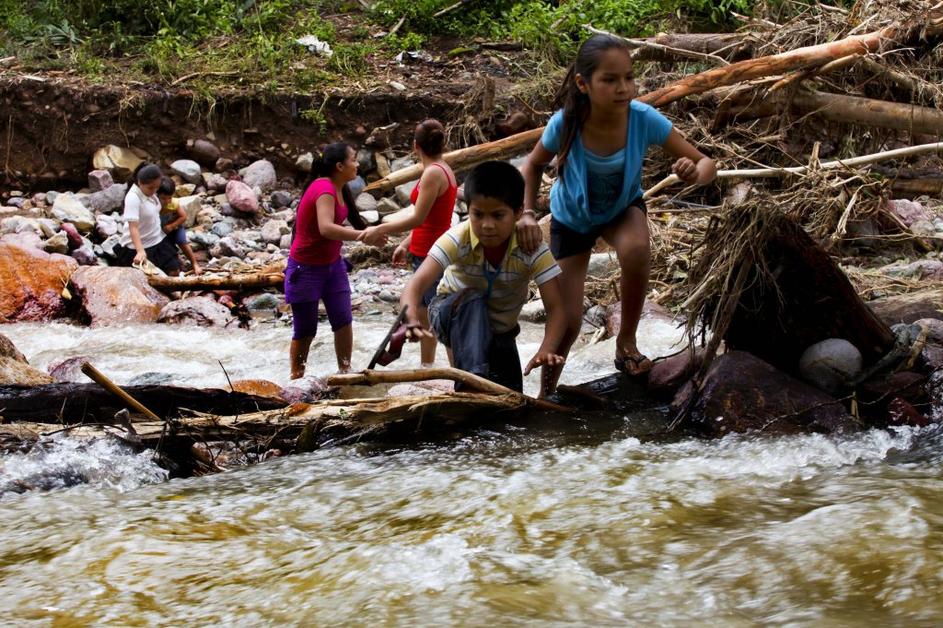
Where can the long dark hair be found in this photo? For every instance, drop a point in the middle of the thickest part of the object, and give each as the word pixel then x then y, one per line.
pixel 142 174
pixel 324 165
pixel 430 137
pixel 575 104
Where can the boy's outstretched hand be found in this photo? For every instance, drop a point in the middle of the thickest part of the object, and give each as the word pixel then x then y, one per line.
pixel 416 332
pixel 544 358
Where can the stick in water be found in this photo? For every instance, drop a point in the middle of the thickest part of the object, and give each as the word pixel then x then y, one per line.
pixel 100 379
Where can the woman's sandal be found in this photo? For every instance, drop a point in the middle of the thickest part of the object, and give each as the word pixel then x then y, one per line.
pixel 634 364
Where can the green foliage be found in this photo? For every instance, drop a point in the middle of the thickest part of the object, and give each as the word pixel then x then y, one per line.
pixel 397 43
pixel 350 59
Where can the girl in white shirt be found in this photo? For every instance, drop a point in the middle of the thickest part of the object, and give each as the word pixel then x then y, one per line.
pixel 143 237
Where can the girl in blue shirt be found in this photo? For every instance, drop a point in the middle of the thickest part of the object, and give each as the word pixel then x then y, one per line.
pixel 599 137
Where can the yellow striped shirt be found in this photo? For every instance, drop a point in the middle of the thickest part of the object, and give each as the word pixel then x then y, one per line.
pixel 460 253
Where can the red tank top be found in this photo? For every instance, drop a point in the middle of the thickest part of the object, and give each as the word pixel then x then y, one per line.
pixel 437 221
pixel 309 246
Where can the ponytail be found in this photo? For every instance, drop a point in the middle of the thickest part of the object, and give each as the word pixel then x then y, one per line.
pixel 324 165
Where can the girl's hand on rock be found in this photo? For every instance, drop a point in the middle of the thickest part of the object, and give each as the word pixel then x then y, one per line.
pixel 139 258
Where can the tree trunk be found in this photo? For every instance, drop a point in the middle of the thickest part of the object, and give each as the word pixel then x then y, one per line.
pixel 267 279
pixel 729 46
pixel 849 109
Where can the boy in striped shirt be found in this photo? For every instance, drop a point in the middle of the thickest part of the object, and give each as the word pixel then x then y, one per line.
pixel 485 283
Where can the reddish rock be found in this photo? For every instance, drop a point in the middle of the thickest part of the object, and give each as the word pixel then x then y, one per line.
pixel 242 198
pixel 899 412
pixel 15 370
pixel 75 238
pixel 113 296
pixel 69 370
pixel 667 376
pixel 307 389
pixel 201 311
pixel 743 393
pixel 258 387
pixel 32 283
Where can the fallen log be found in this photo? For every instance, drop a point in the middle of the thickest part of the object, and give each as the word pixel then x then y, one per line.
pixel 807 57
pixel 929 186
pixel 728 46
pixel 251 281
pixel 847 109
pixel 89 403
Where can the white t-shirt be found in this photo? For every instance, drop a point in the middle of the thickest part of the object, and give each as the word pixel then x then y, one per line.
pixel 145 210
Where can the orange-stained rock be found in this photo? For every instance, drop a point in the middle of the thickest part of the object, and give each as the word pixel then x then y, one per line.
pixel 31 283
pixel 258 387
pixel 113 295
pixel 15 370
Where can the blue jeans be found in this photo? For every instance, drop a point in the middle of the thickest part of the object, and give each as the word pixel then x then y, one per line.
pixel 462 323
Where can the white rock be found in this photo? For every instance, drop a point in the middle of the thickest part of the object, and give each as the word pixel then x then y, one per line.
pixel 188 169
pixel 366 203
pixel 260 174
pixel 601 265
pixel 403 192
pixel 192 206
pixel 387 206
pixel 273 230
pixel 58 243
pixel 370 217
pixel 68 208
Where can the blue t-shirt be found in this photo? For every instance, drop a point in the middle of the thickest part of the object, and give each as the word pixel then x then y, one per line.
pixel 595 189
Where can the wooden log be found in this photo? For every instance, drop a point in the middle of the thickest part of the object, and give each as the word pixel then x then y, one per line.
pixel 806 57
pixel 88 403
pixel 929 186
pixel 253 281
pixel 848 109
pixel 99 378
pixel 729 46
pixel 371 378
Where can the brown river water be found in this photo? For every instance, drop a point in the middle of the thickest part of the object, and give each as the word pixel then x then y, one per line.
pixel 568 523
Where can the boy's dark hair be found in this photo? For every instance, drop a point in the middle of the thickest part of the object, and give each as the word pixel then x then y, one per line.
pixel 496 179
pixel 167 187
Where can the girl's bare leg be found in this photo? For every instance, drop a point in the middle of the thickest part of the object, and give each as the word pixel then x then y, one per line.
pixel 298 356
pixel 344 347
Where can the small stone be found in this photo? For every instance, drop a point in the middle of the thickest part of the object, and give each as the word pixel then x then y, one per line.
pixel 99 180
pixel 401 163
pixel 403 192
pixel 188 169
pixel 304 162
pixel 280 199
pixel 387 206
pixel 58 243
pixel 366 203
pixel 398 86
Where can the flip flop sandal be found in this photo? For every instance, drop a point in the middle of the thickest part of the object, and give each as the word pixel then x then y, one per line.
pixel 633 365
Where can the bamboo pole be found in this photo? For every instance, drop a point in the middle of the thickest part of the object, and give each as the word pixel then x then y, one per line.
pixel 757 173
pixel 228 282
pixel 370 377
pixel 99 378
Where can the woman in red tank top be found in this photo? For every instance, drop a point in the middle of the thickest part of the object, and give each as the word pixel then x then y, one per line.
pixel 434 202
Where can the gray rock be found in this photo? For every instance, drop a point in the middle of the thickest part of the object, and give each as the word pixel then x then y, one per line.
pixel 285 242
pixel 108 200
pixel 85 255
pixel 230 247
pixel 214 182
pixel 356 186
pixel 188 169
pixel 58 243
pixel 386 206
pixel 264 301
pixel 402 162
pixel 280 199
pixel 51 197
pixel 68 208
pixel 259 174
pixel 69 369
pixel 204 239
pixel 403 191
pixel 831 364
pixel 203 151
pixel 99 180
pixel 20 224
pixel 273 230
pixel 16 201
pixel 365 160
pixel 222 229
pixel 366 203
pixel 48 226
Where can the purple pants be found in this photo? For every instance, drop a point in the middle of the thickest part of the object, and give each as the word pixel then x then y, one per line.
pixel 307 284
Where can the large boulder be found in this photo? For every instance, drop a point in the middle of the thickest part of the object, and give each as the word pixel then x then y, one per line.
pixel 831 364
pixel 242 198
pixel 108 200
pixel 742 393
pixel 15 370
pixel 188 170
pixel 260 174
pixel 120 161
pixel 668 375
pixel 68 208
pixel 113 295
pixel 201 311
pixel 32 283
pixel 203 151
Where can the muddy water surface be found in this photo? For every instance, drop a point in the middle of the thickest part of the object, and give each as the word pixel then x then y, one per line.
pixel 558 524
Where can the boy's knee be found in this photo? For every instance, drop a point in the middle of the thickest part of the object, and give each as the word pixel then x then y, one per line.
pixel 634 252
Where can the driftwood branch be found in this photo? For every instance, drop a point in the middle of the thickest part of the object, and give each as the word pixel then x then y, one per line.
pixel 665 49
pixel 370 378
pixel 758 173
pixel 267 279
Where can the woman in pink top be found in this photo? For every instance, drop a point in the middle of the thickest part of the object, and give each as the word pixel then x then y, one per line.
pixel 433 199
pixel 315 270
